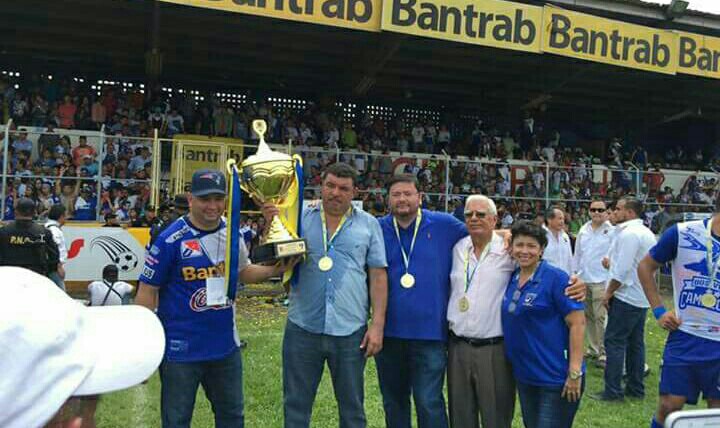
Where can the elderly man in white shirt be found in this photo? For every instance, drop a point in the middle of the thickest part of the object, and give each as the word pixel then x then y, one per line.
pixel 480 380
pixel 559 250
pixel 591 246
pixel 626 304
pixel 56 220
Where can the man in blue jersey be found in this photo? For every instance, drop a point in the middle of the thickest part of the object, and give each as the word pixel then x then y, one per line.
pixel 186 260
pixel 691 361
pixel 418 247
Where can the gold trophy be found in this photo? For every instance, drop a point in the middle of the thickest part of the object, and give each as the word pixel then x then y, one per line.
pixel 267 176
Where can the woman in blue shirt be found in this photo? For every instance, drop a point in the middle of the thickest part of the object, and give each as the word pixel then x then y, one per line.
pixel 544 332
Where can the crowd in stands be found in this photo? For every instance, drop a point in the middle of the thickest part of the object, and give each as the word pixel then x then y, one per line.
pixel 57 172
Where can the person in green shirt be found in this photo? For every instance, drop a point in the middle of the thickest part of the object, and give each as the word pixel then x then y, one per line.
pixel 349 137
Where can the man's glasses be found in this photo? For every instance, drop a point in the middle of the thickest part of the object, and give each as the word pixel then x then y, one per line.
pixel 513 303
pixel 478 214
pixel 597 210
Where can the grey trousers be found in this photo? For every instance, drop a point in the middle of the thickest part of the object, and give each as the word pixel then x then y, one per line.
pixel 480 386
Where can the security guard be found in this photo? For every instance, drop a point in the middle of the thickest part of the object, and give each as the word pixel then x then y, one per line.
pixel 26 244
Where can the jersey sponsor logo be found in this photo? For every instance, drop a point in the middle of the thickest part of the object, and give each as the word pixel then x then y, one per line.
pixel 177 235
pixel 191 248
pixel 198 302
pixel 150 260
pixel 148 272
pixel 191 273
pixel 698 292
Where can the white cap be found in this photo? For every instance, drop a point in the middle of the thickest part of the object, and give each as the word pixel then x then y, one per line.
pixel 53 347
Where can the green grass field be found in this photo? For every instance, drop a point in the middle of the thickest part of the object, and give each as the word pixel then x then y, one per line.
pixel 261 325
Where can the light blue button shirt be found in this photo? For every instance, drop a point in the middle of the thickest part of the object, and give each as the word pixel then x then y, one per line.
pixel 336 302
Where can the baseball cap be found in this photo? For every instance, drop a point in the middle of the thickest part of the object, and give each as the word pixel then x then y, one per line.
pixel 207 182
pixel 60 348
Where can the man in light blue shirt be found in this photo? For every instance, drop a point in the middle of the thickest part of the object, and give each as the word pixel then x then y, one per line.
pixel 330 300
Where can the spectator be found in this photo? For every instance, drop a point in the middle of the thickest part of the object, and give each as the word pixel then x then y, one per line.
pixel 56 220
pixel 66 113
pixel 82 150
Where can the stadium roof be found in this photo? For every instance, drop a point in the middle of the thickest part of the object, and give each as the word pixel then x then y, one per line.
pixel 208 49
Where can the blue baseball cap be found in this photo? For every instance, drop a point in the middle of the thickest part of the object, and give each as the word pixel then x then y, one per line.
pixel 207 182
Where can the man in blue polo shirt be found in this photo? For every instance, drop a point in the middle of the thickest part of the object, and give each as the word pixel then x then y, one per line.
pixel 691 361
pixel 330 300
pixel 185 261
pixel 418 245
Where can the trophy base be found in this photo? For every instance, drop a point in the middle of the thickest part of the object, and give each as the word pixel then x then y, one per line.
pixel 273 251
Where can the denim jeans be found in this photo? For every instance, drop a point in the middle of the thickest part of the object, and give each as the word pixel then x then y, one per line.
pixel 222 382
pixel 418 367
pixel 544 407
pixel 625 345
pixel 304 357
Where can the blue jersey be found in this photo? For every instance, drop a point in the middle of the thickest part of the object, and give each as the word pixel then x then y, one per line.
pixel 85 209
pixel 178 263
pixel 537 339
pixel 696 295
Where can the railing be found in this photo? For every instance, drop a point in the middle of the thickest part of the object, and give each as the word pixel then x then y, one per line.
pixel 525 185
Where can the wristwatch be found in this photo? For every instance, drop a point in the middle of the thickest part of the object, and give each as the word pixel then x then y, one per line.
pixel 575 374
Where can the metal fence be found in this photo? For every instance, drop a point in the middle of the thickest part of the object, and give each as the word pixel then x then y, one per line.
pixel 444 179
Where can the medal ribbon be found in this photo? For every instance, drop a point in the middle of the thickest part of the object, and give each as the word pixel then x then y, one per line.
pixel 711 267
pixel 406 257
pixel 326 243
pixel 469 276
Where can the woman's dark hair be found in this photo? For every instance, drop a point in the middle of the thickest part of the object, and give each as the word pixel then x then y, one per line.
pixel 529 229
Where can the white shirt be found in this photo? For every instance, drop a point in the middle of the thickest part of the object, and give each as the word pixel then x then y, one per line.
pixel 99 289
pixel 59 238
pixel 590 248
pixel 558 251
pixel 485 292
pixel 632 244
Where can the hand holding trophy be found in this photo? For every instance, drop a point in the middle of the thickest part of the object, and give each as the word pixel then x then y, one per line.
pixel 267 176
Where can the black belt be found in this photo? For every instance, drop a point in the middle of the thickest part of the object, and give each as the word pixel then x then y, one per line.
pixel 478 342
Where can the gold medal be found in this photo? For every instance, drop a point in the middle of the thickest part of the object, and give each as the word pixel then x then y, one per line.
pixel 464 304
pixel 708 300
pixel 325 264
pixel 407 280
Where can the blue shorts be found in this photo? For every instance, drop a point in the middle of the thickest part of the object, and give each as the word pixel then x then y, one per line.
pixel 689 380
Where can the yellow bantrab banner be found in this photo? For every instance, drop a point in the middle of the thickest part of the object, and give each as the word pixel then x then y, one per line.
pixel 588 37
pixel 356 14
pixel 698 55
pixel 495 23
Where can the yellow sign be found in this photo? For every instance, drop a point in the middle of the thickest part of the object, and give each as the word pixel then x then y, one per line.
pixel 355 14
pixel 494 23
pixel 208 152
pixel 698 55
pixel 579 35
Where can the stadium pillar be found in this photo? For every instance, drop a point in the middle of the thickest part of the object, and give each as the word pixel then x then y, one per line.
pixel 547 185
pixel 155 179
pixel 98 204
pixel 6 144
pixel 447 181
pixel 153 56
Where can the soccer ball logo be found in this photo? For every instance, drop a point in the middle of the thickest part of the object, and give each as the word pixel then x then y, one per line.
pixel 119 254
pixel 126 261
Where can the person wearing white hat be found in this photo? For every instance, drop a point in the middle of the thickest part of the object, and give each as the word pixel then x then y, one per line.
pixel 54 349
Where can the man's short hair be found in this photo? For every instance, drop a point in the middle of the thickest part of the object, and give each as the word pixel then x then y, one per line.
pixel 634 205
pixel 596 199
pixel 482 198
pixel 56 211
pixel 341 170
pixel 550 212
pixel 402 178
pixel 25 207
